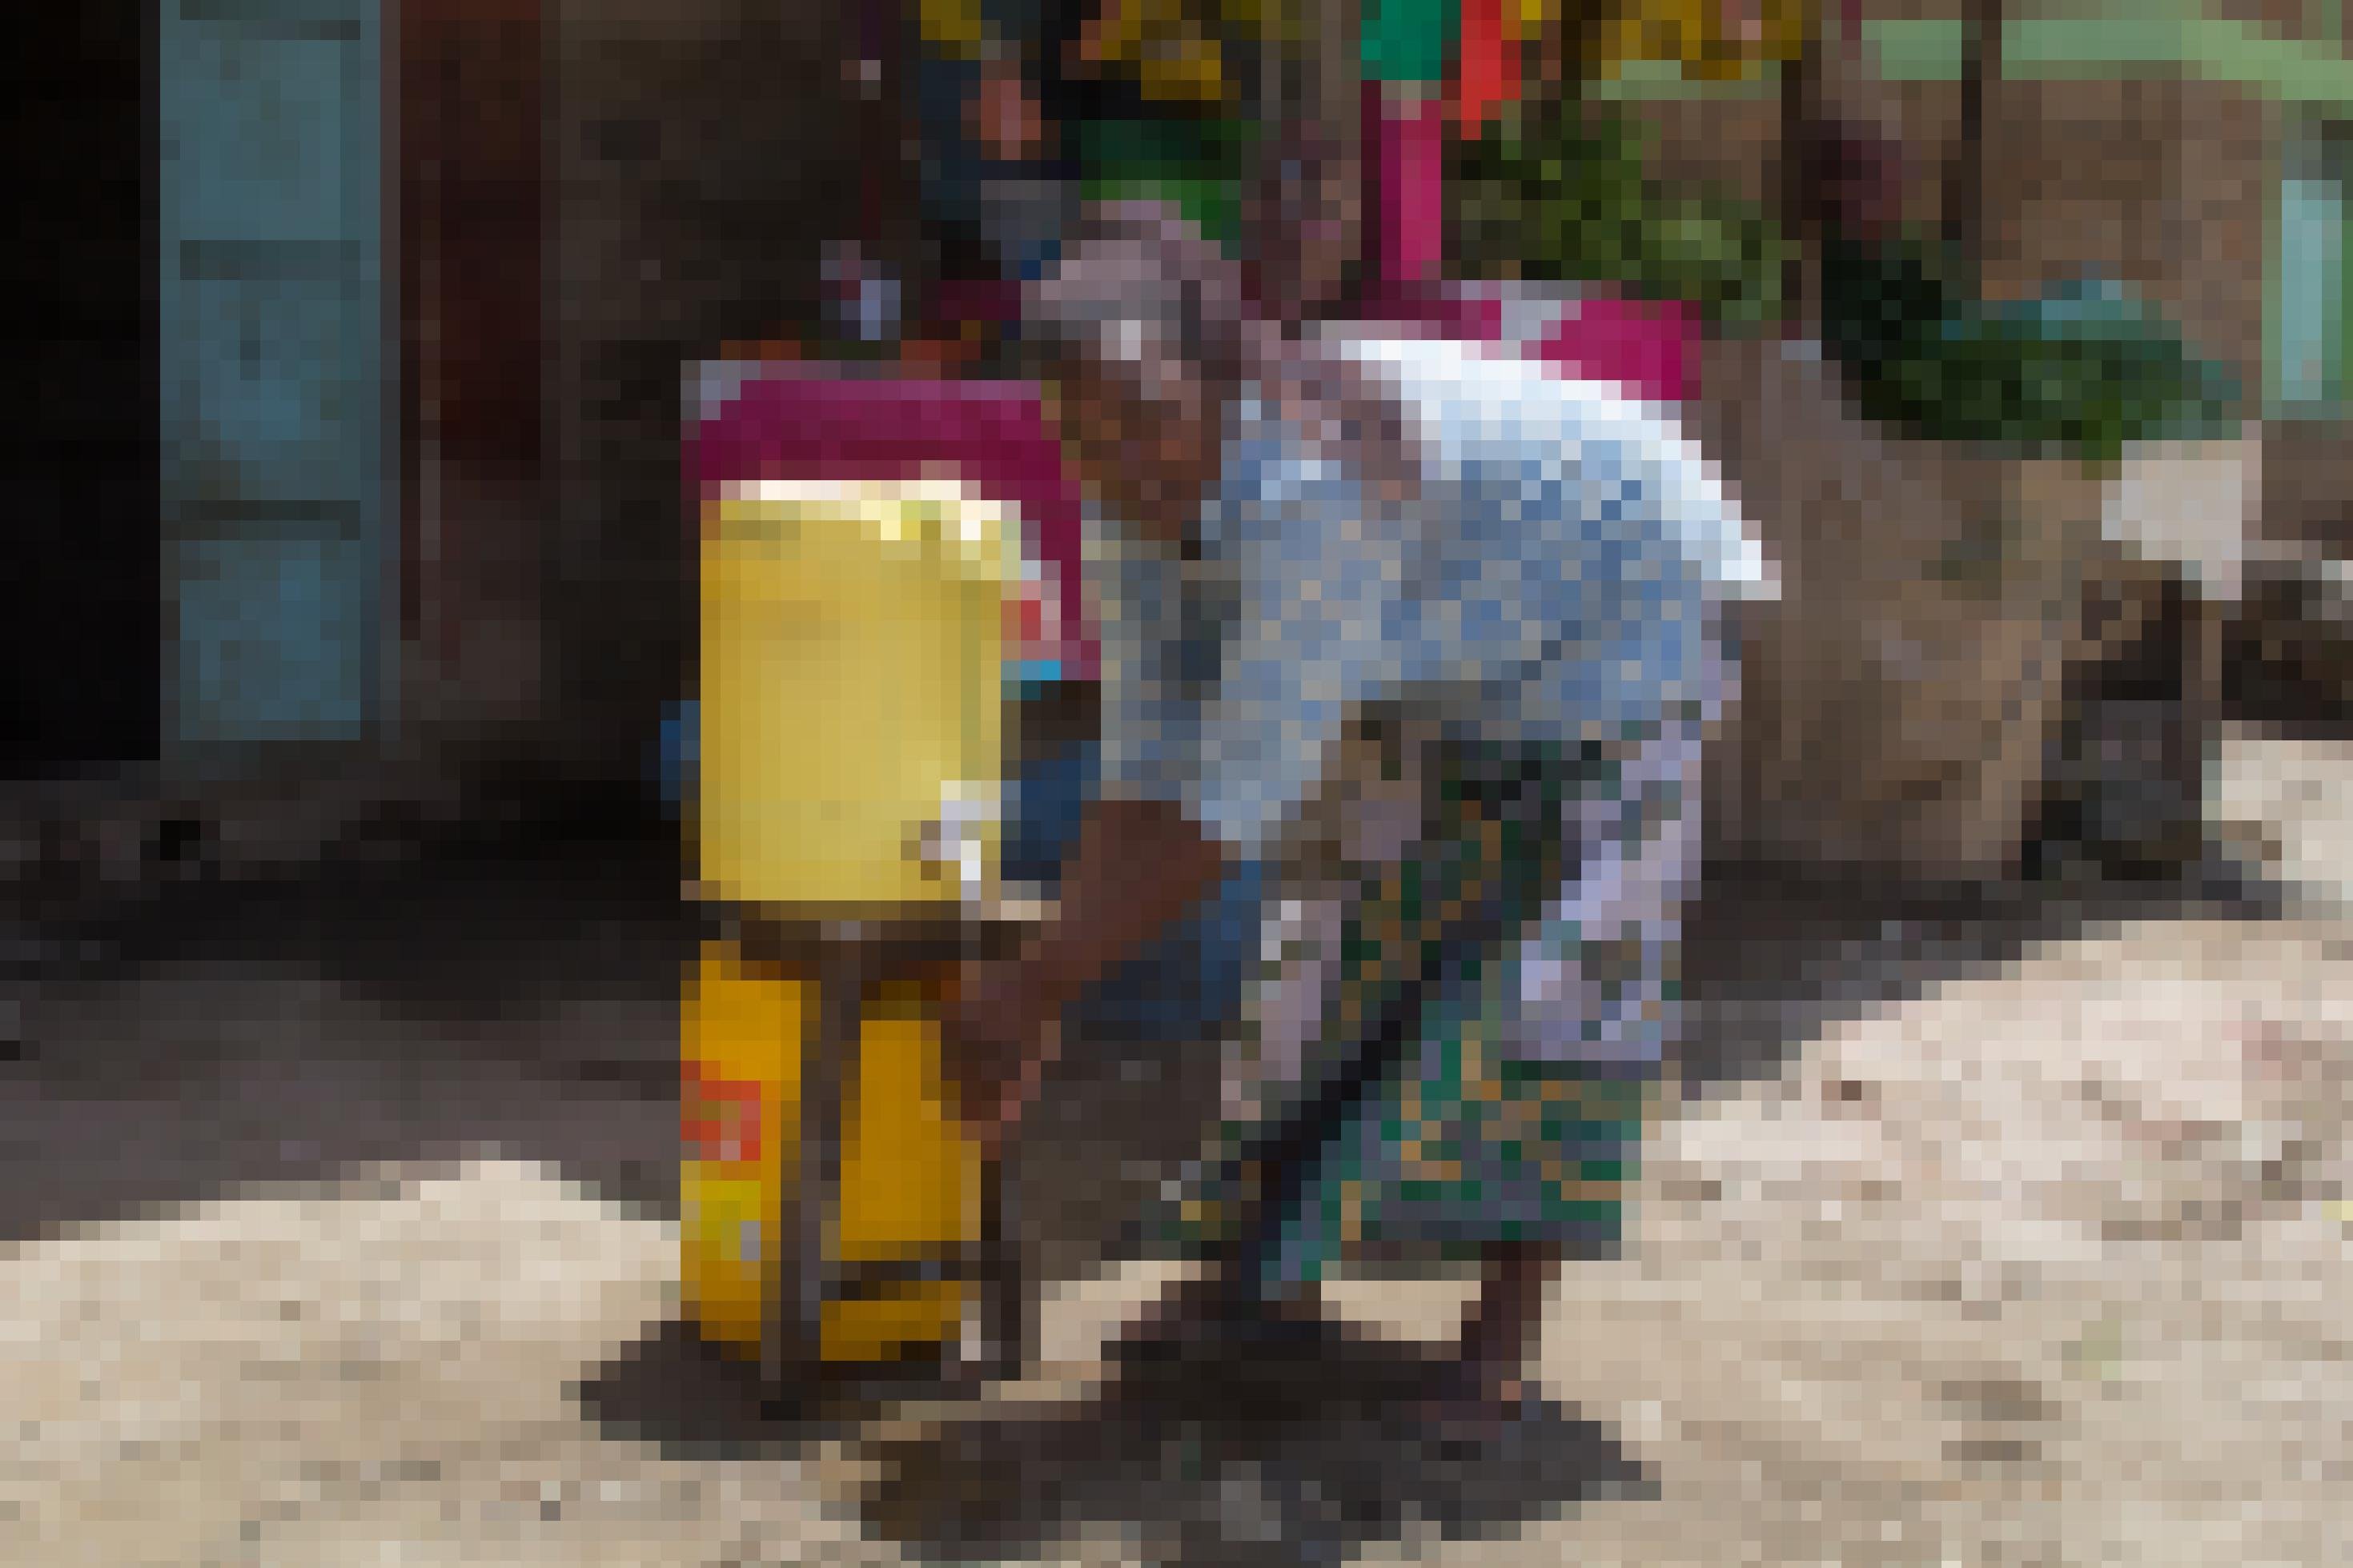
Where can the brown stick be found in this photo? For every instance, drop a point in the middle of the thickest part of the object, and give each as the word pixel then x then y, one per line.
pixel 1981 63
pixel 1801 82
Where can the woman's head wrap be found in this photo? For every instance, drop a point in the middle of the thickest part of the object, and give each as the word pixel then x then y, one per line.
pixel 1140 293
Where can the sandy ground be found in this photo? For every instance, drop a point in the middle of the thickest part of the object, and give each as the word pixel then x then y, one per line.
pixel 2030 1257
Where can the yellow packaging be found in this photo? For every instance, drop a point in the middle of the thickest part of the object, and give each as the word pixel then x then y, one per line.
pixel 954 26
pixel 853 647
pixel 1694 35
pixel 909 1177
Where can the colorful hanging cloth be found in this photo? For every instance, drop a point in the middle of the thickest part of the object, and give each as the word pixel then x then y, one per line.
pixel 953 27
pixel 1407 41
pixel 1486 63
pixel 1173 50
pixel 1710 40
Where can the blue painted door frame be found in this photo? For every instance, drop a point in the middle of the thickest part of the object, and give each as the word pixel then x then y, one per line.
pixel 278 513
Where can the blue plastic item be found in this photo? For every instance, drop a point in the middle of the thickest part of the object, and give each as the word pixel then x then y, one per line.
pixel 1049 796
pixel 675 753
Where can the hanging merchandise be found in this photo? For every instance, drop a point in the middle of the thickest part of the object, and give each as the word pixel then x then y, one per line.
pixel 1407 41
pixel 1486 62
pixel 1195 163
pixel 1577 203
pixel 1474 45
pixel 995 192
pixel 1407 50
pixel 1709 40
pixel 1177 52
pixel 1405 143
pixel 953 27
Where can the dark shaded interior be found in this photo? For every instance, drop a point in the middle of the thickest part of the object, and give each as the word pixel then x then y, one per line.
pixel 82 658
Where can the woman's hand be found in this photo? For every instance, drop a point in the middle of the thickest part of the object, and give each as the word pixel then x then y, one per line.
pixel 1138 865
pixel 999 1038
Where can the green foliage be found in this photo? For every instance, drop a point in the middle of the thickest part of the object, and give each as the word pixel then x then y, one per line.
pixel 1574 202
pixel 1194 163
pixel 2083 371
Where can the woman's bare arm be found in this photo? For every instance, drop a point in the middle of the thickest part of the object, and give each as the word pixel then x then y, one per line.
pixel 1138 867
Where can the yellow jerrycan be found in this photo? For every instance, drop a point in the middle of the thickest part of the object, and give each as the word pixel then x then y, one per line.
pixel 851 693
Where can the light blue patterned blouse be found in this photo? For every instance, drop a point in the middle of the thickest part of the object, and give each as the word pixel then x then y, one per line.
pixel 1554 581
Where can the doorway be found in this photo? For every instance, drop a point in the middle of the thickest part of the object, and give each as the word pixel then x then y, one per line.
pixel 273 327
pixel 80 629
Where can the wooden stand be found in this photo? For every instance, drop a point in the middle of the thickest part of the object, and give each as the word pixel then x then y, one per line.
pixel 849 962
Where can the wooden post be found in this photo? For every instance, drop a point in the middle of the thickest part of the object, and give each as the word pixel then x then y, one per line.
pixel 2204 687
pixel 469 165
pixel 849 964
pixel 1981 64
pixel 1570 53
pixel 1331 78
pixel 1800 83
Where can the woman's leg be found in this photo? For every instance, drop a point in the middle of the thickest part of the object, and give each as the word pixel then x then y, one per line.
pixel 1505 1323
pixel 1239 1291
pixel 1639 846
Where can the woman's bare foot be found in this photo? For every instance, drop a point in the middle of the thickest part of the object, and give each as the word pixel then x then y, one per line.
pixel 1476 1406
pixel 1490 1391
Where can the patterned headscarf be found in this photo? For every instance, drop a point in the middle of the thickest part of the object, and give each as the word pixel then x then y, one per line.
pixel 1141 292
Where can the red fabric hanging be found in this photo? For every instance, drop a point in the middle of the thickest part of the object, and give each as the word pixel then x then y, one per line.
pixel 1405 174
pixel 1486 64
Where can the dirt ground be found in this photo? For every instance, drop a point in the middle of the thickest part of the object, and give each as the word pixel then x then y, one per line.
pixel 338 1226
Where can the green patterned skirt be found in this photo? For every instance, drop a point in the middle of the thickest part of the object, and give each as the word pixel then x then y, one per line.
pixel 1419 1119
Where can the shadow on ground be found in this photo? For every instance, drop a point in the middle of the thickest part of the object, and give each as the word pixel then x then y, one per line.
pixel 1304 1456
pixel 676 1390
pixel 522 1000
pixel 519 1000
pixel 472 935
